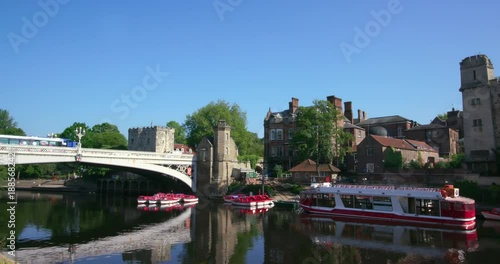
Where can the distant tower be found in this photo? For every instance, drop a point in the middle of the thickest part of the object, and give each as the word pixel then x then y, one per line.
pixel 481 113
pixel 222 142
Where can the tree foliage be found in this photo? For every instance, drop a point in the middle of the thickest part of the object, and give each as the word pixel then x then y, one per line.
pixel 180 132
pixel 8 126
pixel 443 116
pixel 317 136
pixel 393 158
pixel 202 122
pixel 105 136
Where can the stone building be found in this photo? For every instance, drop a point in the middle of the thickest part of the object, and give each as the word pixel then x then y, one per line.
pixel 481 113
pixel 442 138
pixel 279 127
pixel 154 139
pixel 217 158
pixel 372 152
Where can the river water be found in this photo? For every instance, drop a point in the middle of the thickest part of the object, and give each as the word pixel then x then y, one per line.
pixel 93 228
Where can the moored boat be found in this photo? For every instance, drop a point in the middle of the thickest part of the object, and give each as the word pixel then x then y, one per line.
pixel 494 214
pixel 188 198
pixel 404 205
pixel 253 200
pixel 230 198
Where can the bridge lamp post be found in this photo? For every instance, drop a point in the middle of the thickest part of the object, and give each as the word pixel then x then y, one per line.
pixel 79 133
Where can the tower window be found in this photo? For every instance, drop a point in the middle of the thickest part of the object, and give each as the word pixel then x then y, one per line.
pixel 474 72
pixel 475 101
pixel 477 122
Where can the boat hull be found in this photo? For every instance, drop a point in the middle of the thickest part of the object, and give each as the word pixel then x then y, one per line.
pixel 385 217
pixel 253 204
pixel 490 216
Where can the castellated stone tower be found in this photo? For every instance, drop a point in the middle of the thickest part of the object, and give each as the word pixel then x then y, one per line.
pixel 481 113
pixel 226 152
pixel 154 139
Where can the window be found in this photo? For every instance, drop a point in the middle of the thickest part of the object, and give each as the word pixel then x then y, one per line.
pixel 474 73
pixel 400 131
pixel 279 151
pixel 279 134
pixel 273 134
pixel 227 150
pixel 477 123
pixel 132 141
pixel 359 133
pixel 369 152
pixel 290 133
pixel 204 154
pixel 355 156
pixel 273 151
pixel 370 167
pixel 475 101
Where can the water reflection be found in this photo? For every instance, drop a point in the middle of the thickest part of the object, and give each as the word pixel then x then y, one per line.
pixel 364 241
pixel 106 229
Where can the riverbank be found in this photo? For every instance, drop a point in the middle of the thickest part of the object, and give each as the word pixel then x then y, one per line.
pixel 45 185
pixel 6 260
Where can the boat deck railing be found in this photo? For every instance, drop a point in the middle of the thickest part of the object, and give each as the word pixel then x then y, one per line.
pixel 382 187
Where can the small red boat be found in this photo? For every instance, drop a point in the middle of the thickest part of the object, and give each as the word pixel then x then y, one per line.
pixel 230 198
pixel 494 214
pixel 253 201
pixel 188 198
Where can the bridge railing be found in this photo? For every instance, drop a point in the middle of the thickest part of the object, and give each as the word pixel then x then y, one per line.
pixel 97 152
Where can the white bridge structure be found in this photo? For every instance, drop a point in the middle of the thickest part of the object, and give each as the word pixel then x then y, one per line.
pixel 174 164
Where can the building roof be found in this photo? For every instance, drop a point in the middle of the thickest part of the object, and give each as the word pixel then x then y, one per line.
pixel 185 148
pixel 310 166
pixel 425 127
pixel 403 143
pixel 383 120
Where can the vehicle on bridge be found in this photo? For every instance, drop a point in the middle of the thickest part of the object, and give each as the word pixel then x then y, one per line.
pixel 36 141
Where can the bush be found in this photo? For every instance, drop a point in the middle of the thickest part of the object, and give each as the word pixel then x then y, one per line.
pixel 296 189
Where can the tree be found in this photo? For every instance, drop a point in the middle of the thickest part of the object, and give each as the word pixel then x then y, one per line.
pixel 393 158
pixel 443 116
pixel 105 136
pixel 8 126
pixel 180 132
pixel 317 136
pixel 202 122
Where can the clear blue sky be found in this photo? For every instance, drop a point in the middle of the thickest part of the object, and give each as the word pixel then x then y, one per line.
pixel 80 60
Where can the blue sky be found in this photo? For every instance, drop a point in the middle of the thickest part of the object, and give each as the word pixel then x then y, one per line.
pixel 133 63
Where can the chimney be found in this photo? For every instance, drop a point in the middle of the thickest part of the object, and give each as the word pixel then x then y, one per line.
pixel 335 101
pixel 360 117
pixel 348 111
pixel 364 116
pixel 293 105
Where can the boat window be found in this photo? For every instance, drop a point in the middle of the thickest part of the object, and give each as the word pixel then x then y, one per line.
pixel 363 202
pixel 446 206
pixel 458 207
pixel 382 203
pixel 469 207
pixel 347 200
pixel 427 207
pixel 326 200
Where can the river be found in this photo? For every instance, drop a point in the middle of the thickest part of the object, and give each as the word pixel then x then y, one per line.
pixel 94 228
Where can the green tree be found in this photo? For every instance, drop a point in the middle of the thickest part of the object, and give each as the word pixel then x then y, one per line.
pixel 107 136
pixel 8 126
pixel 393 158
pixel 202 122
pixel 317 136
pixel 443 116
pixel 180 132
pixel 70 133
